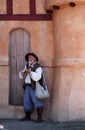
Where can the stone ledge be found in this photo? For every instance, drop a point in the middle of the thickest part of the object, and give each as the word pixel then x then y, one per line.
pixel 3 61
pixel 11 111
pixel 69 62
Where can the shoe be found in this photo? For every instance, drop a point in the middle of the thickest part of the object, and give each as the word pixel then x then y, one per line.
pixel 39 120
pixel 39 113
pixel 25 119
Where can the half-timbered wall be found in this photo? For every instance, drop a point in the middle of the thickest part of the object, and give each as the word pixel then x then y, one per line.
pixel 23 23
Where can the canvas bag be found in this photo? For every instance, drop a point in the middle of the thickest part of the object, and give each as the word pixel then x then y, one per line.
pixel 41 92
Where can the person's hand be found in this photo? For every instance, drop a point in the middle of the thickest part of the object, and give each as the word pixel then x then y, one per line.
pixel 27 71
pixel 24 74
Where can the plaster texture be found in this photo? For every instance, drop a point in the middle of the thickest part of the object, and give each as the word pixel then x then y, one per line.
pixel 69 85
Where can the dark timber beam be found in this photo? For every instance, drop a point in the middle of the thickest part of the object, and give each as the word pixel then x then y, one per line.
pixel 32 16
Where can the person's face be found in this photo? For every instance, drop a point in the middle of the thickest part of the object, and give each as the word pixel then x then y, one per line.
pixel 31 59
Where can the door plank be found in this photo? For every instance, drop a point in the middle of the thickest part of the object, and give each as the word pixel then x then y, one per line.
pixel 19 46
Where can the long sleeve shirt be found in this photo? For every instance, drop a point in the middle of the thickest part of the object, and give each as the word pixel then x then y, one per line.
pixel 36 76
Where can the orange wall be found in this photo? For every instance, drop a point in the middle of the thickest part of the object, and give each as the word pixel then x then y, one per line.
pixel 41 43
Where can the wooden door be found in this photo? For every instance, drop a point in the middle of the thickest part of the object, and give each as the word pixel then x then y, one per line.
pixel 18 47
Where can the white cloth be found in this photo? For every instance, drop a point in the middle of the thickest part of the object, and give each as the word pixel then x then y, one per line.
pixel 34 75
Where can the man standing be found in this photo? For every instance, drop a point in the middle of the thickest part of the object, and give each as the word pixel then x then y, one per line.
pixel 31 73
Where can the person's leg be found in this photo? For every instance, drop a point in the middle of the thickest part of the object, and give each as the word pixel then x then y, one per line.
pixel 27 117
pixel 38 104
pixel 27 105
pixel 39 113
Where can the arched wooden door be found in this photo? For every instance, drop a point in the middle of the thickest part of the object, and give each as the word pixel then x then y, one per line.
pixel 19 45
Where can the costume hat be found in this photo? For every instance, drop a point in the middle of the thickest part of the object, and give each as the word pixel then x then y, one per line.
pixel 28 54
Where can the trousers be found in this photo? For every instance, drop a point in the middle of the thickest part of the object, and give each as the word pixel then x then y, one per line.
pixel 30 99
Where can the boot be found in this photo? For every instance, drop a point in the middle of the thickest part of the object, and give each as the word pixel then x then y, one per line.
pixel 27 117
pixel 39 113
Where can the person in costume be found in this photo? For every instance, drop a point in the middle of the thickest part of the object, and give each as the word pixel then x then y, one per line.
pixel 31 73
